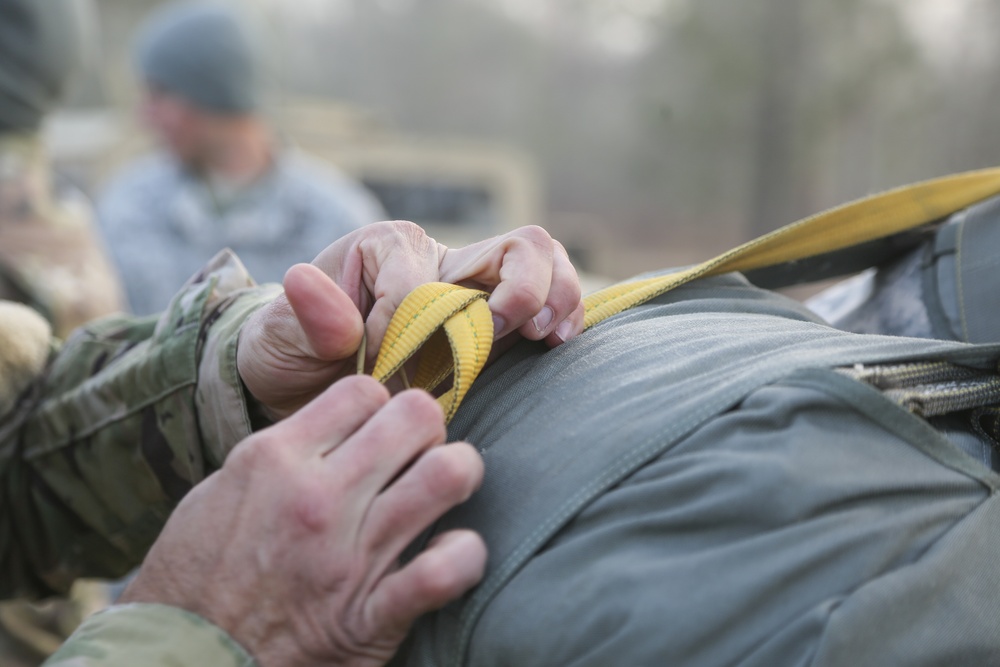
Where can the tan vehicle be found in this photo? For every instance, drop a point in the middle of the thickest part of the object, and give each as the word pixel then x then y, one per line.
pixel 459 190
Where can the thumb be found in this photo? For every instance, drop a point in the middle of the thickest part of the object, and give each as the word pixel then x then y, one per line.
pixel 327 325
pixel 293 348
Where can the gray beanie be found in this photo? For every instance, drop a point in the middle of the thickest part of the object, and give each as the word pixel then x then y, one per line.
pixel 40 43
pixel 202 52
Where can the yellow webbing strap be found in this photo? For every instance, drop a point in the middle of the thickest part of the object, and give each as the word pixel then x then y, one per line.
pixel 466 319
pixel 468 324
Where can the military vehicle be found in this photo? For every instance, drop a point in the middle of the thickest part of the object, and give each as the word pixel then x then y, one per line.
pixel 459 190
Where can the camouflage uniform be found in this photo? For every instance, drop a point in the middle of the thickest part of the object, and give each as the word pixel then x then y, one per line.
pixel 51 258
pixel 152 404
pixel 147 634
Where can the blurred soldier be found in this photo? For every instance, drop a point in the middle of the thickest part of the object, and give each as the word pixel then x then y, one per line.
pixel 50 254
pixel 51 257
pixel 221 180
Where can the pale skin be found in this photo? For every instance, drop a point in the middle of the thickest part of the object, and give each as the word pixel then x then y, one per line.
pixel 293 546
pixel 308 338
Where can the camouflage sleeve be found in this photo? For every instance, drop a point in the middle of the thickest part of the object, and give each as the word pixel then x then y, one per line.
pixel 150 635
pixel 127 417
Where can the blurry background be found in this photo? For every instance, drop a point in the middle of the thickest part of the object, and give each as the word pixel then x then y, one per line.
pixel 642 133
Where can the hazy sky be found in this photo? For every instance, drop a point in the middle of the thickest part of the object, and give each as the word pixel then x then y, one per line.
pixel 623 28
pixel 949 31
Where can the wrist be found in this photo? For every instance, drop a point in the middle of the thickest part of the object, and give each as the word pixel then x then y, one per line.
pixel 258 414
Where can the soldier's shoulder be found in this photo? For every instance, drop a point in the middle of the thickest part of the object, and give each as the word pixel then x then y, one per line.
pixel 322 183
pixel 141 184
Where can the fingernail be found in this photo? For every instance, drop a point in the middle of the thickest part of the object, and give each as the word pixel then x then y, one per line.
pixel 498 325
pixel 543 319
pixel 564 330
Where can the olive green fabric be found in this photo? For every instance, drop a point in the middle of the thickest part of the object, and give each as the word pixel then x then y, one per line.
pixel 51 259
pixel 125 418
pixel 689 483
pixel 152 636
pixel 31 631
pixel 124 421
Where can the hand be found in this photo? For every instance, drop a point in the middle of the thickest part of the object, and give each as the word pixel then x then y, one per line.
pixel 305 340
pixel 292 546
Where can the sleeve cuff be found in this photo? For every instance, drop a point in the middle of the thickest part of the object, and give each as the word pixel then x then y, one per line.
pixel 223 414
pixel 149 634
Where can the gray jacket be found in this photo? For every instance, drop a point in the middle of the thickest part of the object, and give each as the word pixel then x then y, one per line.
pixel 162 223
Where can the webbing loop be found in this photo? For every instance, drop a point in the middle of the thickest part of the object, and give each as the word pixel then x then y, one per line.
pixel 465 318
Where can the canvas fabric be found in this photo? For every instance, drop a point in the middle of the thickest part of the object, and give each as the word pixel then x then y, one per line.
pixel 692 483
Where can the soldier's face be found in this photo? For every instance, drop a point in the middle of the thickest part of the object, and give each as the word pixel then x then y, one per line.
pixel 177 124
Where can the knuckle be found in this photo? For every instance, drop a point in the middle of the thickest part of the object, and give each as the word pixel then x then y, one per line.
pixel 532 237
pixel 440 579
pixel 568 299
pixel 396 236
pixel 303 499
pixel 383 227
pixel 408 230
pixel 536 235
pixel 420 406
pixel 526 298
pixel 262 451
pixel 309 506
pixel 392 232
pixel 447 571
pixel 375 231
pixel 365 391
pixel 451 473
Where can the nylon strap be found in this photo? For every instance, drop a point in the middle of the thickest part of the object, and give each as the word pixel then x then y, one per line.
pixel 465 318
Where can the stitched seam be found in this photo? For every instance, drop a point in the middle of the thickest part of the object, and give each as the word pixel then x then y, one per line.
pixel 569 508
pixel 413 319
pixel 414 347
